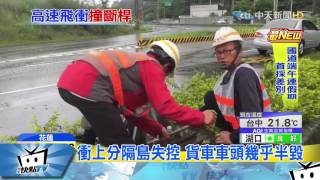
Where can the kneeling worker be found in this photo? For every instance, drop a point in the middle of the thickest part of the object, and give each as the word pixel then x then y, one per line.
pixel 106 85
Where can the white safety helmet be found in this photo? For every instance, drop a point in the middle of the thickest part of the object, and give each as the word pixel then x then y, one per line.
pixel 225 35
pixel 169 48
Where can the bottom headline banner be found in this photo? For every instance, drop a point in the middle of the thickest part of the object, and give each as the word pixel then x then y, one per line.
pixel 198 153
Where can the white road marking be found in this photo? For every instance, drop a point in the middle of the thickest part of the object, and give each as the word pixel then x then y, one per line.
pixel 82 51
pixel 27 89
pixel 110 49
pixel 57 62
pixel 250 50
pixel 56 54
pixel 51 85
pixel 44 56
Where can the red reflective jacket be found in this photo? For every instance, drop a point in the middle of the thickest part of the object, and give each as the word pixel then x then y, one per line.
pixel 143 82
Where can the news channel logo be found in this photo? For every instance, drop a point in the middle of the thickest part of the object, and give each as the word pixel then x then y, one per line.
pixel 34 160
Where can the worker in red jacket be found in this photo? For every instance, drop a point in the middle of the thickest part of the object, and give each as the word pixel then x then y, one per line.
pixel 107 85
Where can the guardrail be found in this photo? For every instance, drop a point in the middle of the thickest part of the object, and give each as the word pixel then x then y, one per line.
pixel 145 42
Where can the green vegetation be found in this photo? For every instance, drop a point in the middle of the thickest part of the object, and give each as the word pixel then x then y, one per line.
pixel 178 8
pixel 309 100
pixel 182 7
pixel 192 93
pixel 246 29
pixel 315 20
pixel 16 28
pixel 244 5
pixel 8 139
pixel 264 5
pixel 240 28
pixel 54 125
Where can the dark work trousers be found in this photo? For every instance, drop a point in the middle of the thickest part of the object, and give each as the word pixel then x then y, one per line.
pixel 104 118
pixel 210 102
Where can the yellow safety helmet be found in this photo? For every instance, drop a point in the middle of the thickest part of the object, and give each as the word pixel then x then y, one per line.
pixel 225 35
pixel 169 48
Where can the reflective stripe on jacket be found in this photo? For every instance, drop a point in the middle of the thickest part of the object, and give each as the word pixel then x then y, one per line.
pixel 224 94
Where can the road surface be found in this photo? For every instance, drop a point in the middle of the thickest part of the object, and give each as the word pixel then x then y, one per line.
pixel 28 75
